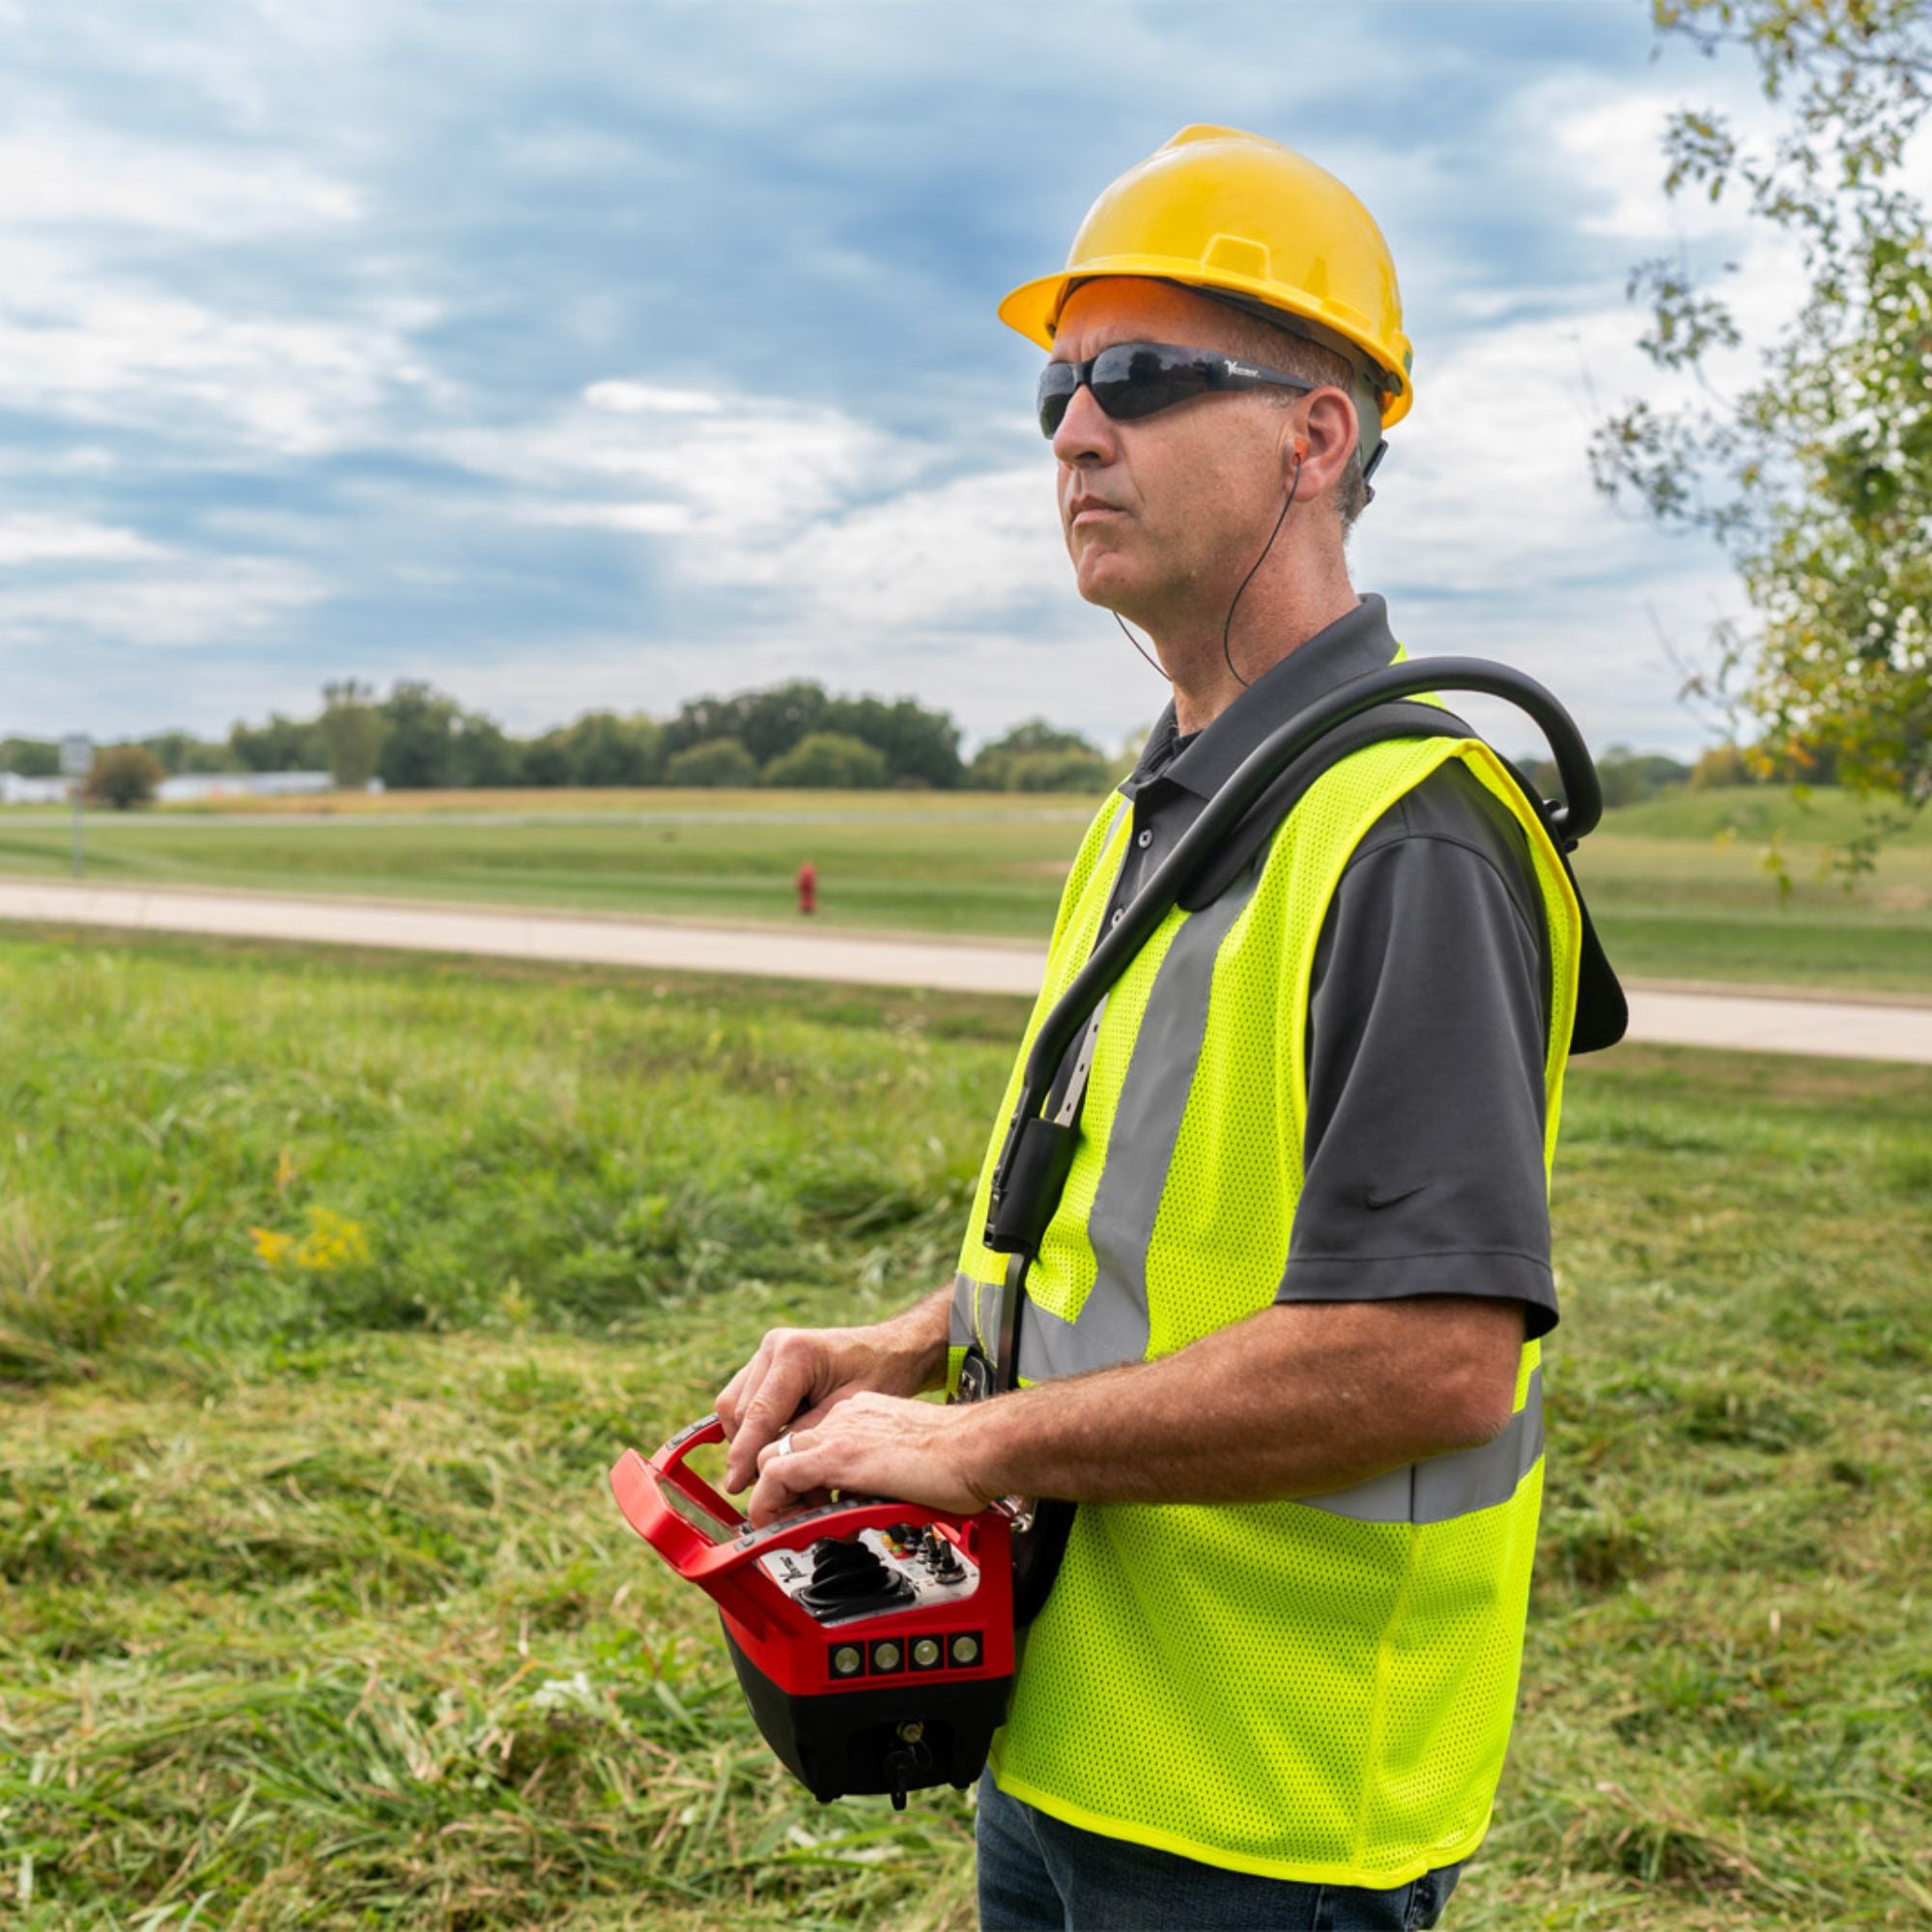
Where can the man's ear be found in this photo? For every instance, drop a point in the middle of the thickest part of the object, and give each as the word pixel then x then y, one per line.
pixel 1333 403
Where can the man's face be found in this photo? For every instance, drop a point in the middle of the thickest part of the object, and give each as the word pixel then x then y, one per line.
pixel 1158 513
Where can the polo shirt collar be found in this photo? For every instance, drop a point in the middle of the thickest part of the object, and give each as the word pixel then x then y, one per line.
pixel 1353 645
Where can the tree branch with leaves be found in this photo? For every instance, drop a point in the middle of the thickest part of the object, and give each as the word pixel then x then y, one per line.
pixel 1817 479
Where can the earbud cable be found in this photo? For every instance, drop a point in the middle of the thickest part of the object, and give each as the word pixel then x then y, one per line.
pixel 1229 625
pixel 1136 642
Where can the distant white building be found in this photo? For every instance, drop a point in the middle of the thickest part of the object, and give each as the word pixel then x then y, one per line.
pixel 189 788
pixel 16 790
pixel 194 787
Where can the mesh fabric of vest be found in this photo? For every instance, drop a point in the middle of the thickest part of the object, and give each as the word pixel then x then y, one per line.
pixel 1266 1686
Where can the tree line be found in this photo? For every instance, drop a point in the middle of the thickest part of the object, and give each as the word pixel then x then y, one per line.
pixel 786 735
pixel 420 739
pixel 1629 778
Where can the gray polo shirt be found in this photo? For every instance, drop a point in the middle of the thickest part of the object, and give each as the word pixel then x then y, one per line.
pixel 1427 1013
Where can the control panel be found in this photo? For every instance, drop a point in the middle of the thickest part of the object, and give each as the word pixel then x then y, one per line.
pixel 875 1573
pixel 873 1640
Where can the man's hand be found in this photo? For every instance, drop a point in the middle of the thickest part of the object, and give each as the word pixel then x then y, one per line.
pixel 800 1374
pixel 880 1446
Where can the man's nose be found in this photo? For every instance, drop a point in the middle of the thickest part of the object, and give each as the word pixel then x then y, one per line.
pixel 1086 434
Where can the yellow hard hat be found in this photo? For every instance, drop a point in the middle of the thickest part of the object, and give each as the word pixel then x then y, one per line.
pixel 1244 217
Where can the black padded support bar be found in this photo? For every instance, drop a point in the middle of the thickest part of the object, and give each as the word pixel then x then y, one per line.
pixel 1265 818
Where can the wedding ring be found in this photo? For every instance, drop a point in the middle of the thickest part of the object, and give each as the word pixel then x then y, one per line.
pixel 784 1444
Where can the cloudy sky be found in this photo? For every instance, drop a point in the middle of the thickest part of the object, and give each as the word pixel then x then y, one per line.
pixel 605 354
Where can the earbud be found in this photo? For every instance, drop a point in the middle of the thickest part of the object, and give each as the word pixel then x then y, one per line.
pixel 1300 451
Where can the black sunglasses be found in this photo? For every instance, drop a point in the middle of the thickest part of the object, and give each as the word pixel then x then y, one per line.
pixel 1132 379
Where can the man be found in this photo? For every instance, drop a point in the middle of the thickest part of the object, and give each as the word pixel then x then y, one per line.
pixel 1280 1342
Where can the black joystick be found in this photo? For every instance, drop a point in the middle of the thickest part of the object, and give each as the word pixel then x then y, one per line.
pixel 941 1558
pixel 851 1579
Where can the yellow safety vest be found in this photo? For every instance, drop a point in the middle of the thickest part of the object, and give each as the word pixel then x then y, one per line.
pixel 1318 1689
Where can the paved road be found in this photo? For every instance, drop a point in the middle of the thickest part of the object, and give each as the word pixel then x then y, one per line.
pixel 507 933
pixel 1763 1024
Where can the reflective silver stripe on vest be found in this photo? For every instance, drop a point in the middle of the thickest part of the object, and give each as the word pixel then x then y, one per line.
pixel 962 1328
pixel 1111 1325
pixel 961 1331
pixel 1442 1486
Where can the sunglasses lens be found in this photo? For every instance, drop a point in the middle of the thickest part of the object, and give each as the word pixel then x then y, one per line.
pixel 1057 383
pixel 1137 380
pixel 1129 381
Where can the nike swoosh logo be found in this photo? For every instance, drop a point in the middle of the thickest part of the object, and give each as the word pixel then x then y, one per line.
pixel 1374 1199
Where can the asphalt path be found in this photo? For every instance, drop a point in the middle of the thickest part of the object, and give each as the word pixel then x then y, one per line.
pixel 1670 1015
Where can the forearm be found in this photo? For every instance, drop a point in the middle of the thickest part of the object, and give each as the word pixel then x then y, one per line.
pixel 914 1342
pixel 1295 1401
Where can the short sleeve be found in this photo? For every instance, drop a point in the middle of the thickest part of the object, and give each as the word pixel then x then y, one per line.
pixel 1422 1153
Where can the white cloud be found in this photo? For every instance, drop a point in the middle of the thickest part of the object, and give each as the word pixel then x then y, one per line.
pixel 90 333
pixel 62 175
pixel 630 399
pixel 922 560
pixel 77 459
pixel 832 516
pixel 30 537
pixel 113 354
pixel 1609 139
pixel 748 472
pixel 187 604
pixel 1600 135
pixel 641 520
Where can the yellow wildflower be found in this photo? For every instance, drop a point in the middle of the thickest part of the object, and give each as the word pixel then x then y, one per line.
pixel 332 1241
pixel 269 1246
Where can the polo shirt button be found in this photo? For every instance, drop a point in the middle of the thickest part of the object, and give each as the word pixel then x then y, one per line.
pixel 1115 918
pixel 1145 840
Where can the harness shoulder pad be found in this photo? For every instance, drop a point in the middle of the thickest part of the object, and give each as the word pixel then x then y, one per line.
pixel 1400 720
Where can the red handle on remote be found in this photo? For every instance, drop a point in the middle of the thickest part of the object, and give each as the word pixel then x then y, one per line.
pixel 727 1568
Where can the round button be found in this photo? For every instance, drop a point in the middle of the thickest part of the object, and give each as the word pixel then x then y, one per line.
pixel 1145 839
pixel 1115 918
pixel 925 1651
pixel 846 1660
pixel 965 1650
pixel 885 1657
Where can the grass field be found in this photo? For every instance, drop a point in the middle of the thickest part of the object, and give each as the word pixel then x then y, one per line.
pixel 1678 895
pixel 329 1287
pixel 970 864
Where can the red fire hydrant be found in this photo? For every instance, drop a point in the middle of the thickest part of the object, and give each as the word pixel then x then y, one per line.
pixel 807 888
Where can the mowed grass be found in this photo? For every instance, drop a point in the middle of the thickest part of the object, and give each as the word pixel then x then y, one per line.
pixel 316 1611
pixel 1679 885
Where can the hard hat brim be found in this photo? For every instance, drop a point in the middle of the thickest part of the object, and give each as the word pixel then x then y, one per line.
pixel 1032 309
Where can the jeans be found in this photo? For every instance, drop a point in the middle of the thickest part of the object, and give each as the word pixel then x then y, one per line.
pixel 1039 1875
